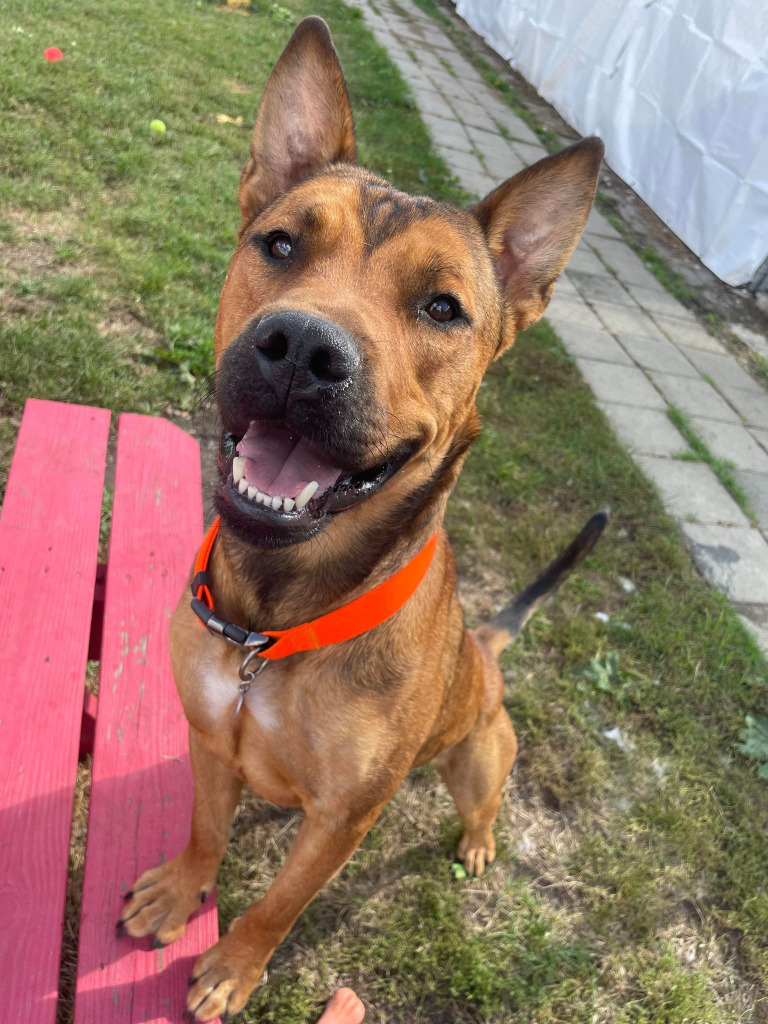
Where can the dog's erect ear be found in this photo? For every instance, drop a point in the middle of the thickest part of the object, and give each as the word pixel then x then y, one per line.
pixel 533 222
pixel 304 119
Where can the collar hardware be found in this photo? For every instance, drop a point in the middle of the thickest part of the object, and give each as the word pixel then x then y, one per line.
pixel 345 623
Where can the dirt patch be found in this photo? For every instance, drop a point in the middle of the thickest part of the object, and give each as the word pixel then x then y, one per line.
pixel 124 325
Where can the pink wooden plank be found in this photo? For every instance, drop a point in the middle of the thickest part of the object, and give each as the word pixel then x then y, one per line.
pixel 141 794
pixel 49 535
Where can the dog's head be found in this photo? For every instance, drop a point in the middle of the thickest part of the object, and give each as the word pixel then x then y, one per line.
pixel 356 322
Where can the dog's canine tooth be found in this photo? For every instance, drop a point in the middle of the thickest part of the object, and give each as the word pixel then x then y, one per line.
pixel 288 504
pixel 238 468
pixel 243 485
pixel 252 492
pixel 276 502
pixel 305 494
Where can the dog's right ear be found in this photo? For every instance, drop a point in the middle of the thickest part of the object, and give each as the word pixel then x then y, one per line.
pixel 304 120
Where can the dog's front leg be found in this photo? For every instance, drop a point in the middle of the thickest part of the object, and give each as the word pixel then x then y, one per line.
pixel 162 899
pixel 226 974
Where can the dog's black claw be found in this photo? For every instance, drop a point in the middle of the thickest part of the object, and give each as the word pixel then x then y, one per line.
pixel 191 981
pixel 187 1015
pixel 157 944
pixel 119 922
pixel 203 897
pixel 225 1017
pixel 128 895
pixel 122 932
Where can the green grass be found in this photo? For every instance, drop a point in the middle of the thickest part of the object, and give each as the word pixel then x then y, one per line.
pixel 630 886
pixel 116 238
pixel 724 470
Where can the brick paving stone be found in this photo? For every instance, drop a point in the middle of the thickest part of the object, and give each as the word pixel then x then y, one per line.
pixel 655 300
pixel 759 630
pixel 761 436
pixel 565 286
pixel 478 184
pixel 752 407
pixel 622 384
pixel 694 397
pixel 461 68
pixel 755 485
pixel 757 342
pixel 658 355
pixel 598 225
pixel 618 255
pixel 731 441
pixel 462 163
pixel 623 320
pixel 687 333
pixel 517 128
pixel 433 103
pixel 691 490
pixel 602 288
pixel 648 431
pixel 428 60
pixel 529 154
pixel 588 344
pixel 447 133
pixel 502 167
pixel 449 87
pixel 584 261
pixel 724 370
pixel 471 113
pixel 735 559
pixel 567 310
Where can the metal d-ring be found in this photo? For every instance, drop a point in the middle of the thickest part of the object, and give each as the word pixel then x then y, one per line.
pixel 249 674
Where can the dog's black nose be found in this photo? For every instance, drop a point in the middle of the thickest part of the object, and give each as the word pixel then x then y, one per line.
pixel 301 355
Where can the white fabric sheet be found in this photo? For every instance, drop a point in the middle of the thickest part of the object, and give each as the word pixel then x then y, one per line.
pixel 678 91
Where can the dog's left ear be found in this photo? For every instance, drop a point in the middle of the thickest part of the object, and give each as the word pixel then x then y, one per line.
pixel 533 222
pixel 304 120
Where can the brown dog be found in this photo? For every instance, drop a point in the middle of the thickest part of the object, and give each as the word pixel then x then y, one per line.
pixel 355 326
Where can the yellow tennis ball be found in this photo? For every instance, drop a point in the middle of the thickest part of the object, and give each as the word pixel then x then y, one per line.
pixel 157 125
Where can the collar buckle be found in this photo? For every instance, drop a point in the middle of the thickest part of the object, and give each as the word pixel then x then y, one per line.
pixel 230 631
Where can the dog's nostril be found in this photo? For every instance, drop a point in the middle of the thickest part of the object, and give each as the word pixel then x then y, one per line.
pixel 321 365
pixel 275 347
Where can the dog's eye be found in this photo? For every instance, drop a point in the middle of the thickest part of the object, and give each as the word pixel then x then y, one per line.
pixel 280 246
pixel 442 309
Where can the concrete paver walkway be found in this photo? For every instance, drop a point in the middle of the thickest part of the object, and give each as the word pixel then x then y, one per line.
pixel 639 349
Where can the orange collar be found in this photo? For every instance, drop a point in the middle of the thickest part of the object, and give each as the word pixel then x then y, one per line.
pixel 351 620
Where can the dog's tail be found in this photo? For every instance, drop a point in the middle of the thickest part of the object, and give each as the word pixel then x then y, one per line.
pixel 504 628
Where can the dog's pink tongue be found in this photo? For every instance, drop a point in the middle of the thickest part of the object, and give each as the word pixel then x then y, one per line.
pixel 280 463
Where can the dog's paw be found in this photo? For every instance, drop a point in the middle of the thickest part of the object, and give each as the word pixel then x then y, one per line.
pixel 161 901
pixel 222 980
pixel 476 850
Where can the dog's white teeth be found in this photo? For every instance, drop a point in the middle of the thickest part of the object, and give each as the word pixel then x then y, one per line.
pixel 260 496
pixel 276 502
pixel 266 500
pixel 252 492
pixel 238 469
pixel 305 494
pixel 243 485
pixel 288 504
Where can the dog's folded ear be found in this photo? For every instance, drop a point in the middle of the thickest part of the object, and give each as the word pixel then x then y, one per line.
pixel 533 222
pixel 304 120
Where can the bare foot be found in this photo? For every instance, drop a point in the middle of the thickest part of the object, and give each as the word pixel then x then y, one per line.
pixel 344 1008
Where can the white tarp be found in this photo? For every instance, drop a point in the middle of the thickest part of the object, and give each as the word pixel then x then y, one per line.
pixel 677 89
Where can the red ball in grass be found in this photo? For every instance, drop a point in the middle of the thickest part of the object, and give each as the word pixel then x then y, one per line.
pixel 53 53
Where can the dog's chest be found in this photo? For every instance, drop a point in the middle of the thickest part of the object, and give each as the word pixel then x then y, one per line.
pixel 218 690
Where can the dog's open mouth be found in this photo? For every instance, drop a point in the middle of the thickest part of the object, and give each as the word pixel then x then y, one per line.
pixel 274 470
